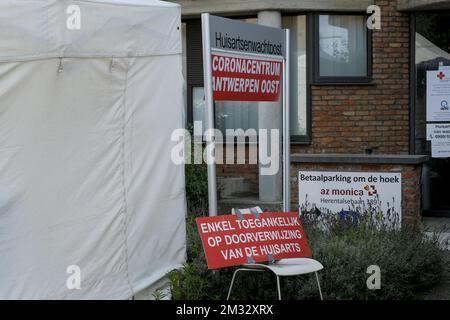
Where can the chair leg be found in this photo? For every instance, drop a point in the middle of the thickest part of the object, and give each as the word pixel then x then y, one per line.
pixel 318 284
pixel 232 282
pixel 278 287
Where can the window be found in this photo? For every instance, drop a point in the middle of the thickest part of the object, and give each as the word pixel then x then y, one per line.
pixel 198 105
pixel 431 53
pixel 236 115
pixel 228 114
pixel 298 78
pixel 342 49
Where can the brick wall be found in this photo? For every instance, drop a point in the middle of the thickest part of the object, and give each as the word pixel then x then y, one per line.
pixel 411 189
pixel 347 119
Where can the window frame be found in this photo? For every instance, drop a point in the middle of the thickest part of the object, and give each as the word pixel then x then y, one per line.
pixel 307 138
pixel 339 80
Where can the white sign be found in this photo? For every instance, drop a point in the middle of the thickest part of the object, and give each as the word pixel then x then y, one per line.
pixel 440 148
pixel 438 95
pixel 241 37
pixel 439 135
pixel 327 192
pixel 438 131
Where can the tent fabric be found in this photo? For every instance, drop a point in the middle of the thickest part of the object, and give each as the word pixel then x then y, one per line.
pixel 86 177
pixel 34 29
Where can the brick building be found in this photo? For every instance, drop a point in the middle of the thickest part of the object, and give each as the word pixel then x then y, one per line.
pixel 357 100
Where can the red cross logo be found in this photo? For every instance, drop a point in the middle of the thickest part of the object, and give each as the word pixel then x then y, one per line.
pixel 441 75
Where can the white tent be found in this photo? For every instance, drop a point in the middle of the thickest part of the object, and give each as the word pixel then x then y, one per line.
pixel 86 179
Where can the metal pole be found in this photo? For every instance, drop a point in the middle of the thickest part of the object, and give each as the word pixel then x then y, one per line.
pixel 278 287
pixel 211 163
pixel 286 129
pixel 318 285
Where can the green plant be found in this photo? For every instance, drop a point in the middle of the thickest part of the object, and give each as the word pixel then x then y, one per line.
pixel 196 187
pixel 410 263
pixel 159 295
pixel 187 284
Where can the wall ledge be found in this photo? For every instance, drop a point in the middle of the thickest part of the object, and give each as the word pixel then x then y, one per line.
pixel 359 158
pixel 193 9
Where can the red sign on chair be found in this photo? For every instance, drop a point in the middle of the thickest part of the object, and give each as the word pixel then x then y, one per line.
pixel 234 240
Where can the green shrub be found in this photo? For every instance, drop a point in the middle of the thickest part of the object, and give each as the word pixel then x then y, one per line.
pixel 410 264
pixel 196 187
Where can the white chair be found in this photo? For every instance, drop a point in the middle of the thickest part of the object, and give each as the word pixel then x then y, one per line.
pixel 281 268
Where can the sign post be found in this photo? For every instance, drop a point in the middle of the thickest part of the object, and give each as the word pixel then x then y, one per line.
pixel 244 62
pixel 209 112
pixel 286 128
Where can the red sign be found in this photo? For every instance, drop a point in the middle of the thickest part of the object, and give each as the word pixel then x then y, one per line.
pixel 245 79
pixel 228 240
